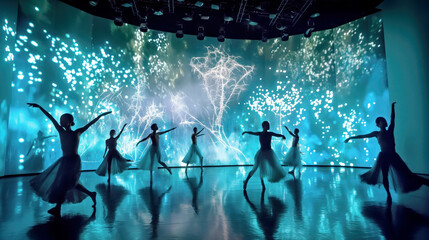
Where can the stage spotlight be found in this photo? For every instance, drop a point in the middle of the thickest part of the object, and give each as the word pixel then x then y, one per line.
pixel 215 6
pixel 118 21
pixel 308 32
pixel 93 3
pixel 264 36
pixel 143 27
pixel 252 23
pixel 200 35
pixel 221 36
pixel 187 17
pixel 315 15
pixel 199 4
pixel 179 32
pixel 285 36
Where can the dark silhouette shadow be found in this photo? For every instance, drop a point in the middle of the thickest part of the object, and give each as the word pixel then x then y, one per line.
pixel 268 215
pixel 195 188
pixel 112 196
pixel 153 202
pixel 295 189
pixel 395 221
pixel 67 227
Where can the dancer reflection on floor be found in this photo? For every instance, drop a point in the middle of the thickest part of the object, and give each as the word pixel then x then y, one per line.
pixel 195 188
pixel 60 182
pixel 293 156
pixel 268 216
pixel 265 158
pixel 153 201
pixel 35 160
pixel 389 162
pixel 194 151
pixel 153 154
pixel 113 162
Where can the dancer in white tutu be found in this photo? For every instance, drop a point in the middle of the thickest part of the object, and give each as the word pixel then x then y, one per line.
pixel 194 151
pixel 389 162
pixel 293 156
pixel 153 154
pixel 60 182
pixel 265 158
pixel 113 162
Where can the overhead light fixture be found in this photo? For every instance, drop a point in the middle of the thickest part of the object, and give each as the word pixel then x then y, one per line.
pixel 215 6
pixel 285 36
pixel 280 27
pixel 118 21
pixel 199 4
pixel 205 17
pixel 252 23
pixel 200 35
pixel 187 17
pixel 308 32
pixel 221 36
pixel 126 5
pixel 315 15
pixel 228 18
pixel 158 12
pixel 93 3
pixel 179 32
pixel 264 36
pixel 143 27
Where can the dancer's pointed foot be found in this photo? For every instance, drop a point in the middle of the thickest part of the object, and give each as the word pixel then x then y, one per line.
pixel 93 196
pixel 108 180
pixel 291 172
pixel 55 211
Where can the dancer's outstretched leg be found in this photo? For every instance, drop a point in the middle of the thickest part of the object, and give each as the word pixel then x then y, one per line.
pixel 109 168
pixel 165 165
pixel 248 178
pixel 83 189
pixel 201 159
pixel 385 172
pixel 55 211
pixel 292 171
pixel 186 169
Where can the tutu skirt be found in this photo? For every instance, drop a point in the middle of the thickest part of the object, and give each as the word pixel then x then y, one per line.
pixel 118 163
pixel 57 183
pixel 192 155
pixel 151 156
pixel 293 157
pixel 400 176
pixel 269 165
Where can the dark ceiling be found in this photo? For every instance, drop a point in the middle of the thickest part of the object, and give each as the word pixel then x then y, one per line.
pixel 236 19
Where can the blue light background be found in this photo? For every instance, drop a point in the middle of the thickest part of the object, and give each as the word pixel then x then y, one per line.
pixel 329 86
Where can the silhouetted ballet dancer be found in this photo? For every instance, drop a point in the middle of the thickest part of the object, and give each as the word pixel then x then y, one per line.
pixel 153 153
pixel 195 188
pixel 113 163
pixel 265 158
pixel 60 182
pixel 194 151
pixel 35 160
pixel 153 202
pixel 388 161
pixel 268 217
pixel 293 156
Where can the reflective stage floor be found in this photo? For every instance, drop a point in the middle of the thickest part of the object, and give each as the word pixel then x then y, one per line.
pixel 321 203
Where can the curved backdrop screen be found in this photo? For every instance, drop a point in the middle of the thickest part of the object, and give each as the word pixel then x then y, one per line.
pixel 330 85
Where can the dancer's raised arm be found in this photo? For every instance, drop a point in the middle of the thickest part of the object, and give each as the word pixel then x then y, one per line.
pixel 144 139
pixel 392 117
pixel 121 131
pixel 83 129
pixel 369 135
pixel 252 133
pixel 56 125
pixel 200 131
pixel 160 133
pixel 291 133
pixel 105 150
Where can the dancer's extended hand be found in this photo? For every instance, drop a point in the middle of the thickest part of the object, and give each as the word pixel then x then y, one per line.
pixel 347 140
pixel 35 105
pixel 105 113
